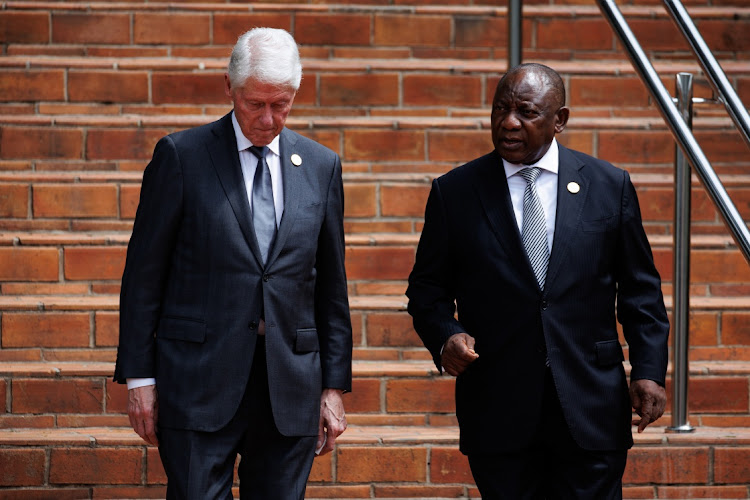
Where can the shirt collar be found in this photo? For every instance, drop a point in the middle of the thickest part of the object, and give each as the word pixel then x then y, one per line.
pixel 550 161
pixel 243 142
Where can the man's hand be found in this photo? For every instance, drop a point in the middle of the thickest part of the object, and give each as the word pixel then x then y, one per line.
pixel 649 400
pixel 458 353
pixel 143 411
pixel 332 420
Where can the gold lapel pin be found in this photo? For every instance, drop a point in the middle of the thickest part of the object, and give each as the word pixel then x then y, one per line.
pixel 296 160
pixel 573 187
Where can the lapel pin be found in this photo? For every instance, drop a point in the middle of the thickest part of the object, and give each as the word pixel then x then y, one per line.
pixel 573 187
pixel 296 160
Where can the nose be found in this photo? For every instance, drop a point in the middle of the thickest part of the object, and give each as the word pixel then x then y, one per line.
pixel 266 117
pixel 510 121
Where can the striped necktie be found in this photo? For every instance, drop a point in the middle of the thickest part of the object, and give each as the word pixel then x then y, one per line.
pixel 534 227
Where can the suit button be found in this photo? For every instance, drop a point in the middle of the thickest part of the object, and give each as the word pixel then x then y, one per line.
pixel 253 325
pixel 544 305
pixel 266 277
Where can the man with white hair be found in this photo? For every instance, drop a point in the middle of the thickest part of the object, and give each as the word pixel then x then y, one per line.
pixel 235 336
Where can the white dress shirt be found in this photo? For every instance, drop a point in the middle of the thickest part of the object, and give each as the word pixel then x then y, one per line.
pixel 546 186
pixel 248 163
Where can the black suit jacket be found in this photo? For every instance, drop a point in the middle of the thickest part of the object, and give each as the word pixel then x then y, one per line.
pixel 471 254
pixel 194 284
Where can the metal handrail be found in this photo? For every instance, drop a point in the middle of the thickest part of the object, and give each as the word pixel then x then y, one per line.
pixel 716 76
pixel 679 128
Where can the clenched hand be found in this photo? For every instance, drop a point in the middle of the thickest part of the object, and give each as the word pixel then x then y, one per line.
pixel 458 353
pixel 649 400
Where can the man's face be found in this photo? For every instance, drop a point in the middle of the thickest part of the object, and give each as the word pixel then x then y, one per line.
pixel 526 115
pixel 261 109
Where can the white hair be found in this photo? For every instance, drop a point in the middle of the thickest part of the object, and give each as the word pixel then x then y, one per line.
pixel 267 55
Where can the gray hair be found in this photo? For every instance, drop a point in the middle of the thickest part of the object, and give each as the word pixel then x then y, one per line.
pixel 267 55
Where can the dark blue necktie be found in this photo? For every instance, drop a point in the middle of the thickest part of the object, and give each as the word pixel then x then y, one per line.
pixel 264 211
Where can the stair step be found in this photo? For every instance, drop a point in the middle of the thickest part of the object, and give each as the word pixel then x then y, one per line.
pixel 369 462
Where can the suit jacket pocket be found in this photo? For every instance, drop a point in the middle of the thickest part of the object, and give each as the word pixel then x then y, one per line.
pixel 609 352
pixel 599 225
pixel 187 329
pixel 307 340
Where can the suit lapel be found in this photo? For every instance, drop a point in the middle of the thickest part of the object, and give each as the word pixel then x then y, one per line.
pixel 492 187
pixel 569 207
pixel 292 178
pixel 226 161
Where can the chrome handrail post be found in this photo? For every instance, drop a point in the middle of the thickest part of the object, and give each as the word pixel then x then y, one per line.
pixel 681 267
pixel 515 30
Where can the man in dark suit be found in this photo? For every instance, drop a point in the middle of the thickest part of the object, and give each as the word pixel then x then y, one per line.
pixel 542 399
pixel 234 297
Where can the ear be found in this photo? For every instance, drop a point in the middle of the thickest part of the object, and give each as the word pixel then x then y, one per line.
pixel 227 86
pixel 561 119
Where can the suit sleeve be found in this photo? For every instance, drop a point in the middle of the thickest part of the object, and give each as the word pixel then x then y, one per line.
pixel 431 288
pixel 147 263
pixel 331 297
pixel 640 304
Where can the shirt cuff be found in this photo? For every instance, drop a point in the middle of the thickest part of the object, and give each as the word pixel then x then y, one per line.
pixel 134 383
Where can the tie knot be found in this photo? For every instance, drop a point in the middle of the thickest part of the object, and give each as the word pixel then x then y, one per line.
pixel 530 174
pixel 259 152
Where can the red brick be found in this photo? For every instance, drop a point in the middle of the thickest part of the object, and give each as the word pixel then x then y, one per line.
pixel 735 328
pixel 45 493
pixel 127 144
pixel 14 200
pixel 657 204
pixel 725 34
pixel 107 328
pixel 637 147
pixel 228 27
pixel 716 394
pixel 108 86
pixel 719 266
pixel 24 27
pixel 322 469
pixel 421 395
pixel 448 465
pixel 154 469
pixel 608 91
pixel 367 464
pixel 379 89
pixel 391 329
pixel 412 31
pixel 75 200
pixel 95 466
pixel 29 264
pixel 117 397
pixel 21 467
pixel 332 29
pixel 25 421
pixel 359 200
pixel 188 88
pixel 703 327
pixel 95 263
pixel 45 329
pixel 434 90
pixel 40 142
pixel 335 491
pixel 580 141
pixel 382 263
pixel 365 396
pixel 481 32
pixel 686 492
pixel 384 145
pixel 459 146
pixel 171 28
pixel 57 396
pixel 633 492
pixel 91 28
pixel 688 465
pixel 404 200
pixel 574 34
pixel 32 85
pixel 658 34
pixel 398 491
pixel 129 198
pixel 721 147
pixel 732 465
pixel 129 492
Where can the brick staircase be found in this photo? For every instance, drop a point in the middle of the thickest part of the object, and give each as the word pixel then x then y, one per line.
pixel 402 93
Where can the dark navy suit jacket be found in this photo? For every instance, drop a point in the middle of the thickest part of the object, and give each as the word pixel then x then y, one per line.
pixel 194 284
pixel 601 270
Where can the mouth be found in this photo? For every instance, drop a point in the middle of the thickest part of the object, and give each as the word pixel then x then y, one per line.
pixel 511 143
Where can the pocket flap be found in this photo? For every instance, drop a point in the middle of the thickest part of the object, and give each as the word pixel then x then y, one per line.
pixel 609 352
pixel 190 330
pixel 307 340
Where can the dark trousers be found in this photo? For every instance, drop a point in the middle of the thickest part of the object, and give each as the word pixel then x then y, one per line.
pixel 554 467
pixel 200 465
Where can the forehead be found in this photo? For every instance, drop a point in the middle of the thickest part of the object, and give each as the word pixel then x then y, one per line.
pixel 258 91
pixel 526 86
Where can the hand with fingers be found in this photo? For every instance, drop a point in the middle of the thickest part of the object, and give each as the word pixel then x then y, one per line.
pixel 332 420
pixel 458 353
pixel 143 411
pixel 649 400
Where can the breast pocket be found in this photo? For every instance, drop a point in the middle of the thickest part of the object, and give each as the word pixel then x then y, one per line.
pixel 599 225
